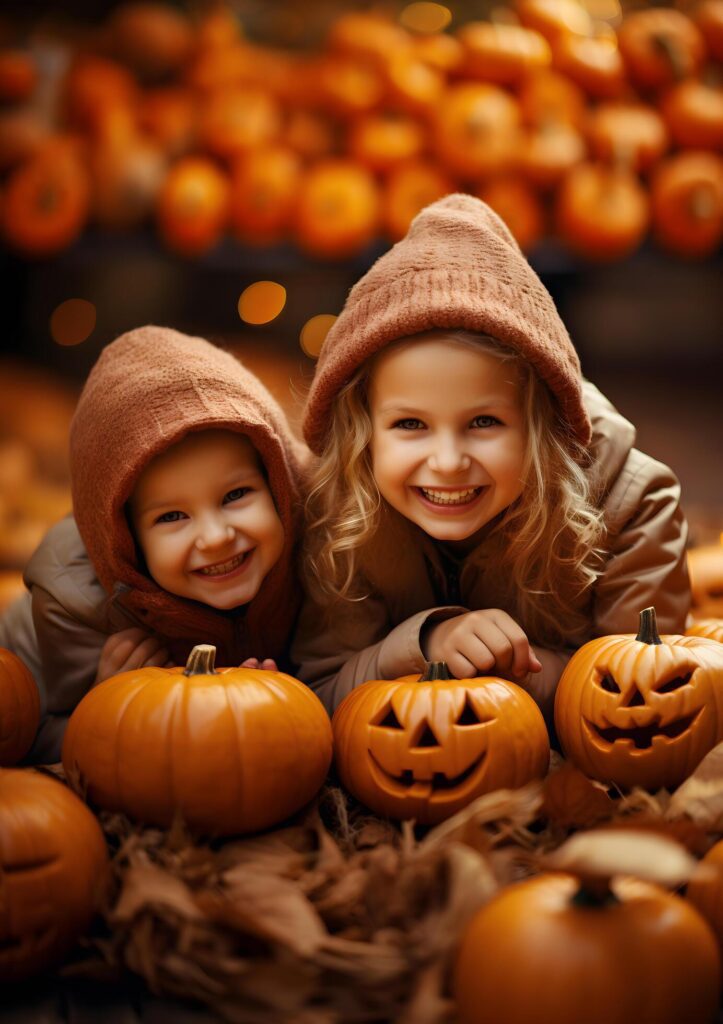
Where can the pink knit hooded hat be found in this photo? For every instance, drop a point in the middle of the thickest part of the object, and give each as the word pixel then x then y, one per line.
pixel 149 389
pixel 458 267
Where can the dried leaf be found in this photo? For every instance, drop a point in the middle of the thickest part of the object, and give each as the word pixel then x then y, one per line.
pixel 700 797
pixel 145 886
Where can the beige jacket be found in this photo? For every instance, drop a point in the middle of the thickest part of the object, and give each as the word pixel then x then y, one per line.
pixel 410 583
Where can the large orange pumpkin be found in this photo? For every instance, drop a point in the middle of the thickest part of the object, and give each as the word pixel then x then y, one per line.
pixel 19 708
pixel 602 212
pixel 192 205
pixel 338 209
pixel 660 46
pixel 230 750
pixel 264 187
pixel 641 710
pixel 568 947
pixel 710 628
pixel 423 747
pixel 475 130
pixel 53 869
pixel 693 111
pixel 687 203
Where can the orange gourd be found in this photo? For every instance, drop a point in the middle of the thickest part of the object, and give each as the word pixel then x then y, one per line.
pixel 383 141
pixel 170 117
pixel 233 121
pixel 693 111
pixel 547 153
pixel 710 628
pixel 660 46
pixel 504 54
pixel 367 35
pixel 94 85
pixel 423 747
pixel 338 209
pixel 519 207
pixel 631 134
pixel 408 189
pixel 549 97
pixel 705 567
pixel 585 944
pixel 476 130
pixel 53 872
pixel 439 50
pixel 310 134
pixel 706 894
pixel 347 86
pixel 264 187
pixel 555 18
pixel 413 86
pixel 602 212
pixel 594 63
pixel 641 710
pixel 230 751
pixel 47 201
pixel 155 39
pixel 19 708
pixel 708 16
pixel 192 206
pixel 687 203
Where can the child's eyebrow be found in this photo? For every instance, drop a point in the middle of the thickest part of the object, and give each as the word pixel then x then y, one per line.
pixel 496 401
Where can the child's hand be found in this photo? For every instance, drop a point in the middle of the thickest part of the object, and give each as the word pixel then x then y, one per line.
pixel 268 664
pixel 129 649
pixel 479 642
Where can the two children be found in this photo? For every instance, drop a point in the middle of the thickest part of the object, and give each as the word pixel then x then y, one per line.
pixel 186 485
pixel 473 499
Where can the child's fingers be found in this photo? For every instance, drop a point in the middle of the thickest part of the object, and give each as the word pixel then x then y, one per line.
pixel 158 660
pixel 269 665
pixel 144 652
pixel 460 666
pixel 250 663
pixel 513 654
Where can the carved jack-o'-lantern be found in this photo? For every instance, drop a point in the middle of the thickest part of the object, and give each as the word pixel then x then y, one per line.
pixel 644 710
pixel 705 565
pixel 424 747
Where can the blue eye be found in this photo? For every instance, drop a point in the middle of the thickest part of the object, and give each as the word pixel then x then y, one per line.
pixel 409 424
pixel 170 517
pixel 486 421
pixel 236 494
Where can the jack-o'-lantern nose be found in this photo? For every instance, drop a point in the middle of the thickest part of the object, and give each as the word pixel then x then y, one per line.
pixel 426 738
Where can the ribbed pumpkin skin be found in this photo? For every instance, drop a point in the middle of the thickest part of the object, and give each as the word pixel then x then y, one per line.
pixel 712 629
pixel 235 751
pixel 529 955
pixel 511 740
pixel 19 708
pixel 583 705
pixel 53 868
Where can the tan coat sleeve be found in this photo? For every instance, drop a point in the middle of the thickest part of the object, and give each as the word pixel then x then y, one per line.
pixel 646 563
pixel 337 652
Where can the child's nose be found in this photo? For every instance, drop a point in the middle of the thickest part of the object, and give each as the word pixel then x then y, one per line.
pixel 213 532
pixel 448 456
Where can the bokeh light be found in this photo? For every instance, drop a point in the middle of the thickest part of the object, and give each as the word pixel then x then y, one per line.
pixel 261 302
pixel 72 322
pixel 425 17
pixel 314 332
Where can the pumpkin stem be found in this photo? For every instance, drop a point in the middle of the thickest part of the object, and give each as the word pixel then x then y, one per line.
pixel 435 670
pixel 201 661
pixel 648 630
pixel 594 891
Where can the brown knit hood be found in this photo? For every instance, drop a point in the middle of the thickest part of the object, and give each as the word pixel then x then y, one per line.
pixel 458 267
pixel 148 389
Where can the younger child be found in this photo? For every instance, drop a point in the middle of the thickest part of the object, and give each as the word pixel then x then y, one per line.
pixel 186 487
pixel 474 501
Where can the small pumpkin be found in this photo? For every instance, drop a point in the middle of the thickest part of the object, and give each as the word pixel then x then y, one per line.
pixel 347 86
pixel 235 120
pixel 547 153
pixel 708 16
pixel 170 117
pixel 423 747
pixel 53 872
pixel 155 39
pixel 408 189
pixel 338 209
pixel 693 111
pixel 505 54
pixel 548 98
pixel 641 710
pixel 687 203
pixel 439 50
pixel 602 212
pixel 592 62
pixel 476 130
pixel 231 750
pixel 706 894
pixel 705 567
pixel 555 18
pixel 383 141
pixel 660 46
pixel 47 202
pixel 94 85
pixel 192 205
pixel 630 134
pixel 582 943
pixel 413 86
pixel 368 35
pixel 519 207
pixel 19 708
pixel 264 187
pixel 710 628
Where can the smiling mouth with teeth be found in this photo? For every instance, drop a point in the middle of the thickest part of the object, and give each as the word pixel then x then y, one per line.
pixel 438 780
pixel 463 496
pixel 643 735
pixel 224 568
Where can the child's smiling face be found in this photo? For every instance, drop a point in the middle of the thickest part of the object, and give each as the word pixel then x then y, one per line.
pixel 448 434
pixel 205 519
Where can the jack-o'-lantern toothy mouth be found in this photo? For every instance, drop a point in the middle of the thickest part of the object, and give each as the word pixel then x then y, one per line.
pixel 437 781
pixel 642 736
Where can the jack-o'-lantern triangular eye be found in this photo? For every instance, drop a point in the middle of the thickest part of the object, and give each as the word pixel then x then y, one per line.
pixel 608 684
pixel 675 684
pixel 389 719
pixel 469 715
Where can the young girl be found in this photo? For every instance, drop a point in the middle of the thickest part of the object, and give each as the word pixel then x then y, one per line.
pixel 186 486
pixel 474 501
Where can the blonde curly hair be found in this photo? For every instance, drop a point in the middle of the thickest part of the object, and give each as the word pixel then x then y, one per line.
pixel 549 541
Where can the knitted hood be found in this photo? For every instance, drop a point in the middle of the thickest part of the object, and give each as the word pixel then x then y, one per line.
pixel 458 267
pixel 148 389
